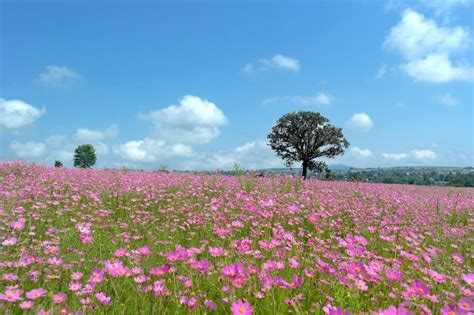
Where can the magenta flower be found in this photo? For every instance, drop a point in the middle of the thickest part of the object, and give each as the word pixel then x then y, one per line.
pixel 469 278
pixel 210 305
pixel 458 258
pixel 11 295
pixel 35 293
pixel 59 298
pixel 103 299
pixel 241 308
pixel 26 305
pixel 465 304
pixel 451 310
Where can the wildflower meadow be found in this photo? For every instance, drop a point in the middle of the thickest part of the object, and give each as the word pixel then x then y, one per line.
pixel 84 241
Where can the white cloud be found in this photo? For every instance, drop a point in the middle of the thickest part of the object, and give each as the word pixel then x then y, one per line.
pixel 319 99
pixel 278 62
pixel 428 48
pixel 381 71
pixel 84 134
pixel 361 153
pixel 193 120
pixel 360 122
pixel 28 149
pixel 437 68
pixel 394 156
pixel 248 68
pixel 449 100
pixel 251 155
pixel 423 154
pixel 17 114
pixel 284 62
pixel 151 150
pixel 57 75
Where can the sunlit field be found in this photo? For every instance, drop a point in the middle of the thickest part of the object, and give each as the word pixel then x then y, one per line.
pixel 127 242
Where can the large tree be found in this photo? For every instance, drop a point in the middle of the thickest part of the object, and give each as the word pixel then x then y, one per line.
pixel 84 156
pixel 304 136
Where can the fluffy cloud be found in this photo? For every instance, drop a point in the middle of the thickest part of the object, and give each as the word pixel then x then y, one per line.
pixel 17 114
pixel 361 153
pixel 251 155
pixel 360 122
pixel 449 100
pixel 319 99
pixel 28 149
pixel 193 120
pixel 423 154
pixel 83 134
pixel 428 48
pixel 151 150
pixel 57 75
pixel 394 156
pixel 437 68
pixel 277 62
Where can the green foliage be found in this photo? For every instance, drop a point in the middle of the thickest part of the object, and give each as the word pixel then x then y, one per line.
pixel 238 170
pixel 84 156
pixel 304 136
pixel 58 163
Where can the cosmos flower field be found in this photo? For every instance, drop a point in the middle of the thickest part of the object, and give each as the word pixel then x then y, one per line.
pixel 127 242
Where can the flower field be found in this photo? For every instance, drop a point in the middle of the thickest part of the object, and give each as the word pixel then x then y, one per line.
pixel 124 242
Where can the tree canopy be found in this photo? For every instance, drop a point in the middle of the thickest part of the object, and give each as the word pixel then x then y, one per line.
pixel 305 136
pixel 84 156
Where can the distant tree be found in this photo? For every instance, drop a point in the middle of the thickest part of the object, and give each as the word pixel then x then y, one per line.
pixel 304 136
pixel 58 163
pixel 84 156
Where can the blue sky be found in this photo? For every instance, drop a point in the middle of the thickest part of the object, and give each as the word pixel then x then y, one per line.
pixel 198 85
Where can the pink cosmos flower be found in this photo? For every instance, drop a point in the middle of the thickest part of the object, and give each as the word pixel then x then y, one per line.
pixel 210 305
pixel 121 252
pixel 458 258
pixel 76 275
pixel 11 295
pixel 103 299
pixel 465 304
pixel 10 241
pixel 59 298
pixel 35 293
pixel 469 278
pixel 241 308
pixel 26 305
pixel 451 310
pixel 331 310
pixel 75 286
pixel 216 251
pixel 392 310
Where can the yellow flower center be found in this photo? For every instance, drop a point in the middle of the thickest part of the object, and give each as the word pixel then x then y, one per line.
pixel 241 309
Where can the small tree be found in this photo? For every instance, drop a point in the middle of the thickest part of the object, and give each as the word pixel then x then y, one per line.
pixel 304 136
pixel 84 156
pixel 58 163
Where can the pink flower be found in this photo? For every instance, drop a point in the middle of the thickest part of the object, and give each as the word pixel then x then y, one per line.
pixel 74 286
pixel 59 298
pixel 35 293
pixel 10 241
pixel 451 310
pixel 469 278
pixel 458 258
pixel 241 308
pixel 76 275
pixel 103 299
pixel 210 305
pixel 26 305
pixel 466 304
pixel 11 295
pixel 121 252
pixel 392 310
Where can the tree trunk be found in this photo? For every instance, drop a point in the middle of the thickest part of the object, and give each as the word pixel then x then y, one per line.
pixel 305 169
